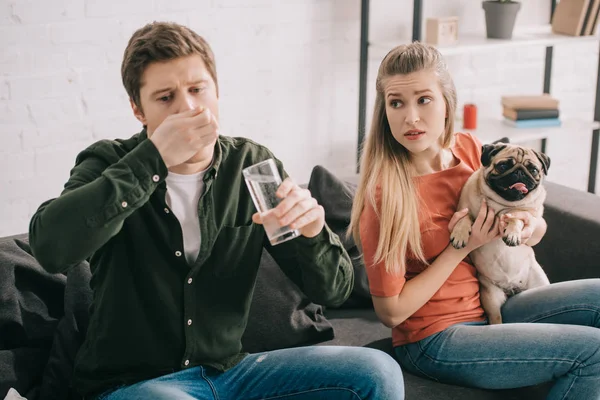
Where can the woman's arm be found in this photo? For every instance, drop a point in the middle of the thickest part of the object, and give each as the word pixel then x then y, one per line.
pixel 539 230
pixel 416 292
pixel 394 310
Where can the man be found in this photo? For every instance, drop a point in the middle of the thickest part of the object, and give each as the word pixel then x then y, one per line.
pixel 174 245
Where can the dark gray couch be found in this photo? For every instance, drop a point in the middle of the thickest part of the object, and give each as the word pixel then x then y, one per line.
pixel 43 317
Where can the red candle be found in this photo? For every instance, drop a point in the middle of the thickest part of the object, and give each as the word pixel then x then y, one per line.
pixel 470 116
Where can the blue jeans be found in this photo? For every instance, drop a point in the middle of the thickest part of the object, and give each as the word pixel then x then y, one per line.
pixel 549 333
pixel 315 372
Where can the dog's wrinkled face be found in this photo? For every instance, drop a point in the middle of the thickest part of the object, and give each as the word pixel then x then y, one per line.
pixel 513 171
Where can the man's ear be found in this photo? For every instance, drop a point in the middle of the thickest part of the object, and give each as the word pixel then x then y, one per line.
pixel 138 113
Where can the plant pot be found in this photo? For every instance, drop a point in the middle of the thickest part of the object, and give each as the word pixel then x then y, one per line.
pixel 500 18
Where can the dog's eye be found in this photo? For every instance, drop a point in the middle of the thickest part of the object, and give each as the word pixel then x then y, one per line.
pixel 534 171
pixel 502 167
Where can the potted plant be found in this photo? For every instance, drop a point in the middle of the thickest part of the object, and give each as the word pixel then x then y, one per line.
pixel 500 16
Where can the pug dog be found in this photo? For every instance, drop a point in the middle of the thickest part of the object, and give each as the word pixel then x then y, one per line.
pixel 509 180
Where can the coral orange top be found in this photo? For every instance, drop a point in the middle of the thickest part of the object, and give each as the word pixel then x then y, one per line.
pixel 458 298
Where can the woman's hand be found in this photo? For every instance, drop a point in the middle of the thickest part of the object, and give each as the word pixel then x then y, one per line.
pixel 485 229
pixel 533 229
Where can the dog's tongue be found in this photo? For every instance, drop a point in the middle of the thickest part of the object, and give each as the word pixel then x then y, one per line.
pixel 520 187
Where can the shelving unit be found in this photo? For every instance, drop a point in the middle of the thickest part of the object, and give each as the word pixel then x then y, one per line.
pixel 470 43
pixel 489 130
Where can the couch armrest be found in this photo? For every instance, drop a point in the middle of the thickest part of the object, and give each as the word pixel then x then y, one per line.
pixel 571 247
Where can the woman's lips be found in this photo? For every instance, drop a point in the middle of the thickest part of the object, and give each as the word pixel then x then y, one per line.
pixel 414 135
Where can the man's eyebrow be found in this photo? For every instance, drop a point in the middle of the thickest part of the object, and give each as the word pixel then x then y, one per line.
pixel 197 81
pixel 167 89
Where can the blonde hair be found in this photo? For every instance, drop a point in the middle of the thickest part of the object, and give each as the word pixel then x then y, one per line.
pixel 385 164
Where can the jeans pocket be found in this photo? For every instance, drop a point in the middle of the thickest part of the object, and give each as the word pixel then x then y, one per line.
pixel 425 342
pixel 410 356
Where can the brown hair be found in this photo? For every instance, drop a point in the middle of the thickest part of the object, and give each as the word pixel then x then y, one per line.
pixel 161 41
pixel 385 163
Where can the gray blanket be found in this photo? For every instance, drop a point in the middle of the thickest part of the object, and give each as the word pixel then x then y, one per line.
pixel 42 322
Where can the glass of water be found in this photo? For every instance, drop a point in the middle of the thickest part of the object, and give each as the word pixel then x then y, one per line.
pixel 262 180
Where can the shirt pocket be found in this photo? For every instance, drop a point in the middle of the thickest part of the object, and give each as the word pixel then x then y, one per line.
pixel 237 250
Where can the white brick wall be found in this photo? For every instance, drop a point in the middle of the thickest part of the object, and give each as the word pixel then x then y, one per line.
pixel 288 72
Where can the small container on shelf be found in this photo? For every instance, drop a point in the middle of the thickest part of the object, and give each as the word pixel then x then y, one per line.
pixel 470 116
pixel 441 31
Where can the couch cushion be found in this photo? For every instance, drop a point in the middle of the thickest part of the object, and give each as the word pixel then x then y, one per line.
pixel 281 315
pixel 358 327
pixel 336 195
pixel 570 249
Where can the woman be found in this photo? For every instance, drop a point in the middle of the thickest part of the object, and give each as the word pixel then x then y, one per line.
pixel 413 169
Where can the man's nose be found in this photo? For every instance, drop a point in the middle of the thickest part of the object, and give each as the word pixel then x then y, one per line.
pixel 186 103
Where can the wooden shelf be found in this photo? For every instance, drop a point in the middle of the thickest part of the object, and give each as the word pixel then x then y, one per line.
pixel 470 43
pixel 491 129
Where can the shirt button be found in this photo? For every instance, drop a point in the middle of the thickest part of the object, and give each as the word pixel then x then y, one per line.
pixel 186 363
pixel 166 210
pixel 156 178
pixel 189 281
pixel 189 322
pixel 124 204
pixel 178 253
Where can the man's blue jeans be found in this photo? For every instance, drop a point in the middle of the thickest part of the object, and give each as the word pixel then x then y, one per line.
pixel 316 373
pixel 549 333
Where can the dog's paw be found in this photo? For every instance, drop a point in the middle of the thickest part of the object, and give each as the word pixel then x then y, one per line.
pixel 512 238
pixel 460 236
pixel 495 320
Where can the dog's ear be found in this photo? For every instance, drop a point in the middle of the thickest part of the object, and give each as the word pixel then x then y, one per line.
pixel 544 159
pixel 488 151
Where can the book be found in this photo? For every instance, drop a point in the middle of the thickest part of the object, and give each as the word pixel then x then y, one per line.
pixel 569 17
pixel 533 123
pixel 530 102
pixel 588 16
pixel 519 114
pixel 592 22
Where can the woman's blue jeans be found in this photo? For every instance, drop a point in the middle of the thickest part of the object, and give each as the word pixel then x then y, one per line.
pixel 316 373
pixel 549 333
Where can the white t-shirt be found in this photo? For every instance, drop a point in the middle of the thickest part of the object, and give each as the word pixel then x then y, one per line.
pixel 183 194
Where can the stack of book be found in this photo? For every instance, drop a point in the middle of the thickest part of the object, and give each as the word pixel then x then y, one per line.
pixel 576 17
pixel 530 111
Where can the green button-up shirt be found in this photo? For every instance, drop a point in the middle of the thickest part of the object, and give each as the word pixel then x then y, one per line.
pixel 152 312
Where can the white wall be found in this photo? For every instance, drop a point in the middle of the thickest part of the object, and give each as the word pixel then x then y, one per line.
pixel 288 73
